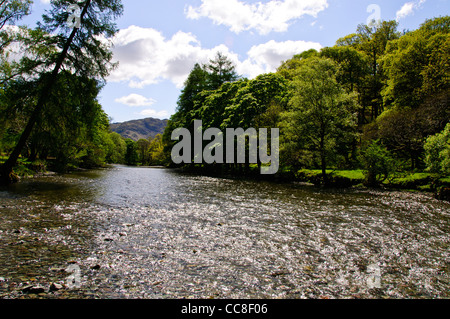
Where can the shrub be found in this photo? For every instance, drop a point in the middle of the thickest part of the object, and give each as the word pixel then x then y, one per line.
pixel 378 164
pixel 437 150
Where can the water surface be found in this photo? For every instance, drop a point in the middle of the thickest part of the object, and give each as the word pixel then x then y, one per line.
pixel 157 233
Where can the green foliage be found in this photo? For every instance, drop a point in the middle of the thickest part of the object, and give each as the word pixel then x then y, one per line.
pixel 59 112
pixel 88 54
pixel 196 83
pixel 392 87
pixel 131 155
pixel 372 41
pixel 321 115
pixel 221 70
pixel 437 148
pixel 289 68
pixel 353 66
pixel 142 150
pixel 378 163
pixel 423 181
pixel 234 103
pixel 117 148
pixel 156 151
pixel 13 10
pixel 417 66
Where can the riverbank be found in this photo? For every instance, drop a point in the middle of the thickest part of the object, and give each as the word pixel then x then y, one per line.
pixel 406 181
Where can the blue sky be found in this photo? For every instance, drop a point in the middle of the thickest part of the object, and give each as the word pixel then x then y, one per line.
pixel 160 41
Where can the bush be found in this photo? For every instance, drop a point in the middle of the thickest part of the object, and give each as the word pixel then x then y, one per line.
pixel 437 150
pixel 378 164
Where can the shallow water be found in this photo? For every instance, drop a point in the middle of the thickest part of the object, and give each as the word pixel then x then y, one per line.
pixel 157 233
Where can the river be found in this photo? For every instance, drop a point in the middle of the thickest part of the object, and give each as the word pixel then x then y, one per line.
pixel 158 233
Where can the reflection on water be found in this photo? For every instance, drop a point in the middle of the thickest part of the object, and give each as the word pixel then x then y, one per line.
pixel 156 233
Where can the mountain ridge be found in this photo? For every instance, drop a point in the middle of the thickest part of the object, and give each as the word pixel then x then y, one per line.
pixel 140 129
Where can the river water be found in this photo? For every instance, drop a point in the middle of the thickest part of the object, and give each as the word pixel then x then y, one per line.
pixel 157 233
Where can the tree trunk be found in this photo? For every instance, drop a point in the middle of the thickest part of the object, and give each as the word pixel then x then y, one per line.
pixel 6 170
pixel 323 159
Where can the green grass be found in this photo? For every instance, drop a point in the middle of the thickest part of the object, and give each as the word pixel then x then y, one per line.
pixel 420 181
pixel 445 180
pixel 346 178
pixel 350 174
pixel 412 178
pixel 354 174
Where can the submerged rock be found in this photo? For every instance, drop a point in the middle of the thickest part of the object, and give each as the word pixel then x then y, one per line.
pixel 56 287
pixel 33 290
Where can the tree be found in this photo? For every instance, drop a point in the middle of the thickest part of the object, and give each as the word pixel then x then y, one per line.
pixel 321 113
pixel 417 66
pixel 353 65
pixel 289 68
pixel 131 156
pixel 13 10
pixel 118 149
pixel 194 85
pixel 81 51
pixel 403 133
pixel 437 148
pixel 206 93
pixel 372 40
pixel 142 150
pixel 252 98
pixel 353 70
pixel 156 151
pixel 29 40
pixel 221 70
pixel 378 163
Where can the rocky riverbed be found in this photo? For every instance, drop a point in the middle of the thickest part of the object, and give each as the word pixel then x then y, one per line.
pixel 146 233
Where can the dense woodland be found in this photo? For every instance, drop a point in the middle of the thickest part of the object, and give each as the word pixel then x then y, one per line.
pixel 376 102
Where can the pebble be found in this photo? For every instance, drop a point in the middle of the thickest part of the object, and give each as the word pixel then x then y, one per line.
pixel 33 289
pixel 56 287
pixel 278 274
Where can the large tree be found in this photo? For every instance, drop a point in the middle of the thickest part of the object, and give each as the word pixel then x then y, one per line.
pixel 417 65
pixel 321 113
pixel 372 40
pixel 82 51
pixel 221 70
pixel 13 10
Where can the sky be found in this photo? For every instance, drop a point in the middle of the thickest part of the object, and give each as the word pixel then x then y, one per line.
pixel 159 42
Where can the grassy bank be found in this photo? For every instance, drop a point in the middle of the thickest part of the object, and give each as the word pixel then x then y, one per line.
pixel 347 178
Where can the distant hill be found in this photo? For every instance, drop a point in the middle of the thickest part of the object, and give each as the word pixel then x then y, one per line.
pixel 140 129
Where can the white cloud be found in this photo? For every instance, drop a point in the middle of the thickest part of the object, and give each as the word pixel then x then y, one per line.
pixel 146 57
pixel 267 57
pixel 153 113
pixel 136 100
pixel 408 9
pixel 271 16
